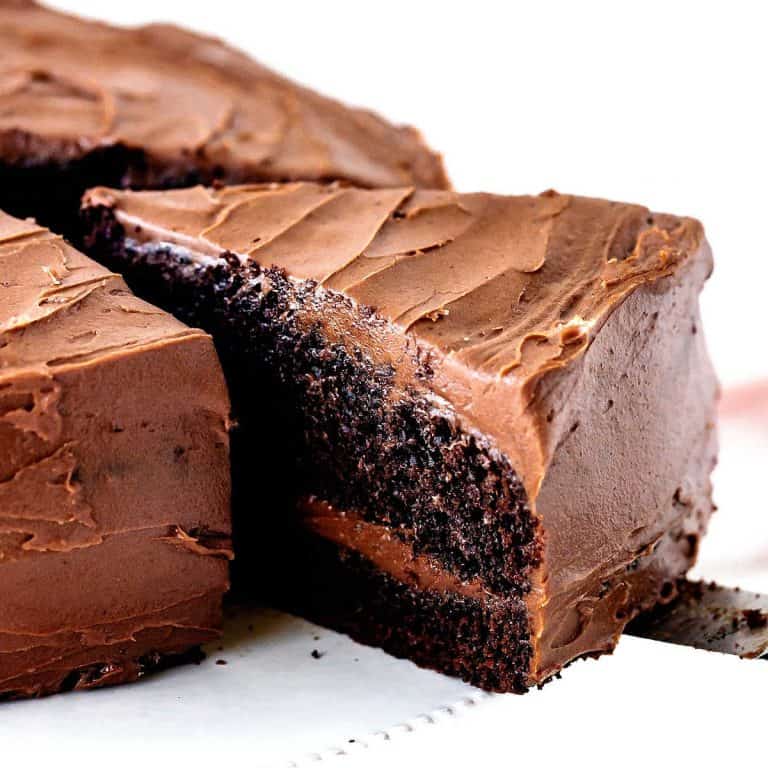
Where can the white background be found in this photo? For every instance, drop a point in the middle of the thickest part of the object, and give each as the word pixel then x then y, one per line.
pixel 658 103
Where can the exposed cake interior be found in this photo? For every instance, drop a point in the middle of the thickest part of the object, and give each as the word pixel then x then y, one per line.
pixel 392 491
pixel 47 181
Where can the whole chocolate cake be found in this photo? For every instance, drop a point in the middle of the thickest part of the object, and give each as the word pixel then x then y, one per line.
pixel 114 474
pixel 83 103
pixel 474 430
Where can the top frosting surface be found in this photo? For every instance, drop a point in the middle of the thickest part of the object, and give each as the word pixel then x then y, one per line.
pixel 505 286
pixel 184 97
pixel 60 308
pixel 68 327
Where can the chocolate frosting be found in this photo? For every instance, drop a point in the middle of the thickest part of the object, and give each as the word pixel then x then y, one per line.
pixel 564 329
pixel 69 86
pixel 380 546
pixel 113 472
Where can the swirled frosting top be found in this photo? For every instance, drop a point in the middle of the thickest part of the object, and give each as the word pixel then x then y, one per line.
pixel 69 86
pixel 62 316
pixel 507 286
pixel 59 308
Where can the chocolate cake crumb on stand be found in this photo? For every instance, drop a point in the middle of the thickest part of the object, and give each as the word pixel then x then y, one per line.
pixel 474 430
pixel 114 475
pixel 84 103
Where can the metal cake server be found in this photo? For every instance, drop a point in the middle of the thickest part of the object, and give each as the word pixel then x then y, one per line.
pixel 708 616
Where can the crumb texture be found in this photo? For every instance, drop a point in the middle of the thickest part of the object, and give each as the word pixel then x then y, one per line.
pixel 486 643
pixel 342 426
pixel 389 452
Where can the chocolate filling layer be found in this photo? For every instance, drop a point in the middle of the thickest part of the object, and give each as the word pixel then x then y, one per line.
pixel 483 640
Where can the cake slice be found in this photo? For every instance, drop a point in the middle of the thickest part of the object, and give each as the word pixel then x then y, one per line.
pixel 474 430
pixel 84 103
pixel 114 475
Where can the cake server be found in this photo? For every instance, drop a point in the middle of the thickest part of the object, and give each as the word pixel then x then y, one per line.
pixel 711 617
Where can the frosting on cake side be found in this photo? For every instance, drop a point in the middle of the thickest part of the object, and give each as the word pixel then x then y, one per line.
pixel 114 483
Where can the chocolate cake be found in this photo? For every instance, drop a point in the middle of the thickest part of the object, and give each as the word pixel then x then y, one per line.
pixel 474 430
pixel 114 475
pixel 83 103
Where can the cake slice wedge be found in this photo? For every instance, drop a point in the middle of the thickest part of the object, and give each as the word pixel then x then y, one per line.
pixel 474 430
pixel 114 475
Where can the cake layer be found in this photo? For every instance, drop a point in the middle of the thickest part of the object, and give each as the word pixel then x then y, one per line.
pixel 368 583
pixel 114 474
pixel 83 103
pixel 515 388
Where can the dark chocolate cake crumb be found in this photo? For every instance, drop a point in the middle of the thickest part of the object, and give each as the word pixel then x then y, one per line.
pixel 755 619
pixel 402 463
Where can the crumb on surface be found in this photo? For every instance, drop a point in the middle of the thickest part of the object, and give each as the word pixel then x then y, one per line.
pixel 755 618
